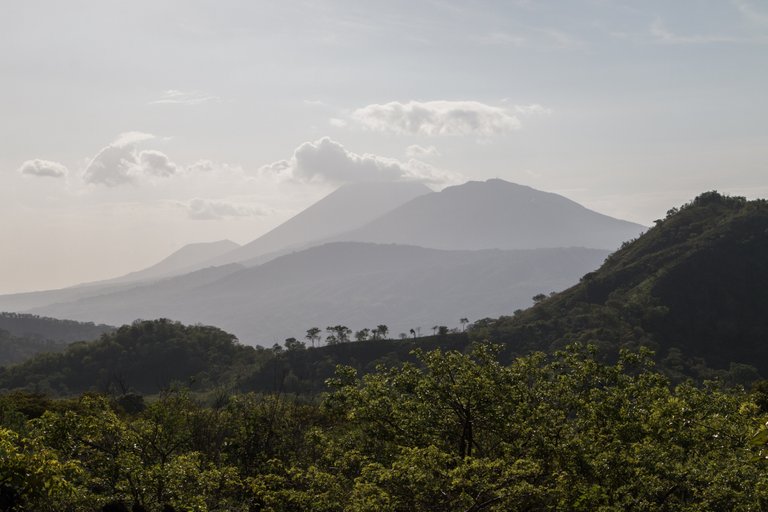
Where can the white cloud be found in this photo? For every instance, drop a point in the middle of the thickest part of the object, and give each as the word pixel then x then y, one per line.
pixel 122 163
pixel 416 151
pixel 214 168
pixel 337 123
pixel 751 12
pixel 326 160
pixel 204 209
pixel 131 138
pixel 112 166
pixel 662 34
pixel 177 97
pixel 156 163
pixel 532 37
pixel 501 38
pixel 437 118
pixel 532 109
pixel 43 168
pixel 202 166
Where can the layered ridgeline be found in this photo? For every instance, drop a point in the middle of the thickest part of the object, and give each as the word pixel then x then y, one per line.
pixel 22 335
pixel 694 288
pixel 346 208
pixel 347 283
pixel 189 258
pixel 186 259
pixel 359 284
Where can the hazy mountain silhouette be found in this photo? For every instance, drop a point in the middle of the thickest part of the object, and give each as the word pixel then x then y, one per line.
pixel 356 284
pixel 476 215
pixel 346 208
pixel 186 259
pixel 495 214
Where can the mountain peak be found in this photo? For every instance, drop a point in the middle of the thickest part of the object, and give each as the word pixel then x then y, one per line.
pixel 495 214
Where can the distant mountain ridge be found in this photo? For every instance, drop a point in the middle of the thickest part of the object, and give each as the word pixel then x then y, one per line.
pixel 495 214
pixel 346 208
pixel 485 216
pixel 186 259
pixel 351 283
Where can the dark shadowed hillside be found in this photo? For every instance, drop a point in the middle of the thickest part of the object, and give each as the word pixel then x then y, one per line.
pixel 145 357
pixel 22 336
pixel 694 288
pixel 54 329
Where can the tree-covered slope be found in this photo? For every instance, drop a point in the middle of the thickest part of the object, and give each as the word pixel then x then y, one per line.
pixel 145 357
pixel 53 329
pixel 694 288
pixel 22 336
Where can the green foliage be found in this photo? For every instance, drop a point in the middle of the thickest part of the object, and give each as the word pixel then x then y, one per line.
pixel 52 329
pixel 146 356
pixel 15 349
pixel 694 285
pixel 465 433
pixel 453 432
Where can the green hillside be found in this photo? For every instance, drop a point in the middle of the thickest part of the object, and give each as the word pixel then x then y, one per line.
pixel 143 357
pixel 22 335
pixel 694 288
pixel 52 329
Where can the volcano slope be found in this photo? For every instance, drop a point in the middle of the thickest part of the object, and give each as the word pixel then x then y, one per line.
pixel 694 288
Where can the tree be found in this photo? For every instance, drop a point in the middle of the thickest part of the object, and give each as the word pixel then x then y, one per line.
pixel 464 322
pixel 292 344
pixel 413 333
pixel 313 335
pixel 383 330
pixel 538 298
pixel 362 334
pixel 463 432
pixel 339 332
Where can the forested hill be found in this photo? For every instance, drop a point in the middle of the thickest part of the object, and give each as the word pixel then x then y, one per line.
pixel 145 357
pixel 694 288
pixel 52 329
pixel 22 336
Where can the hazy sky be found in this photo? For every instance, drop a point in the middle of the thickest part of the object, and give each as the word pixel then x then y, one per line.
pixel 130 128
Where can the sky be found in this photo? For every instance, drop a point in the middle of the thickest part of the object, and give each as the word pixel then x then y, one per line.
pixel 129 129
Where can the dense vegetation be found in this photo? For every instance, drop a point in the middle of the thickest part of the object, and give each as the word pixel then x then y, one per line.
pixel 144 357
pixel 53 329
pixel 15 349
pixel 22 336
pixel 455 432
pixel 148 357
pixel 693 289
